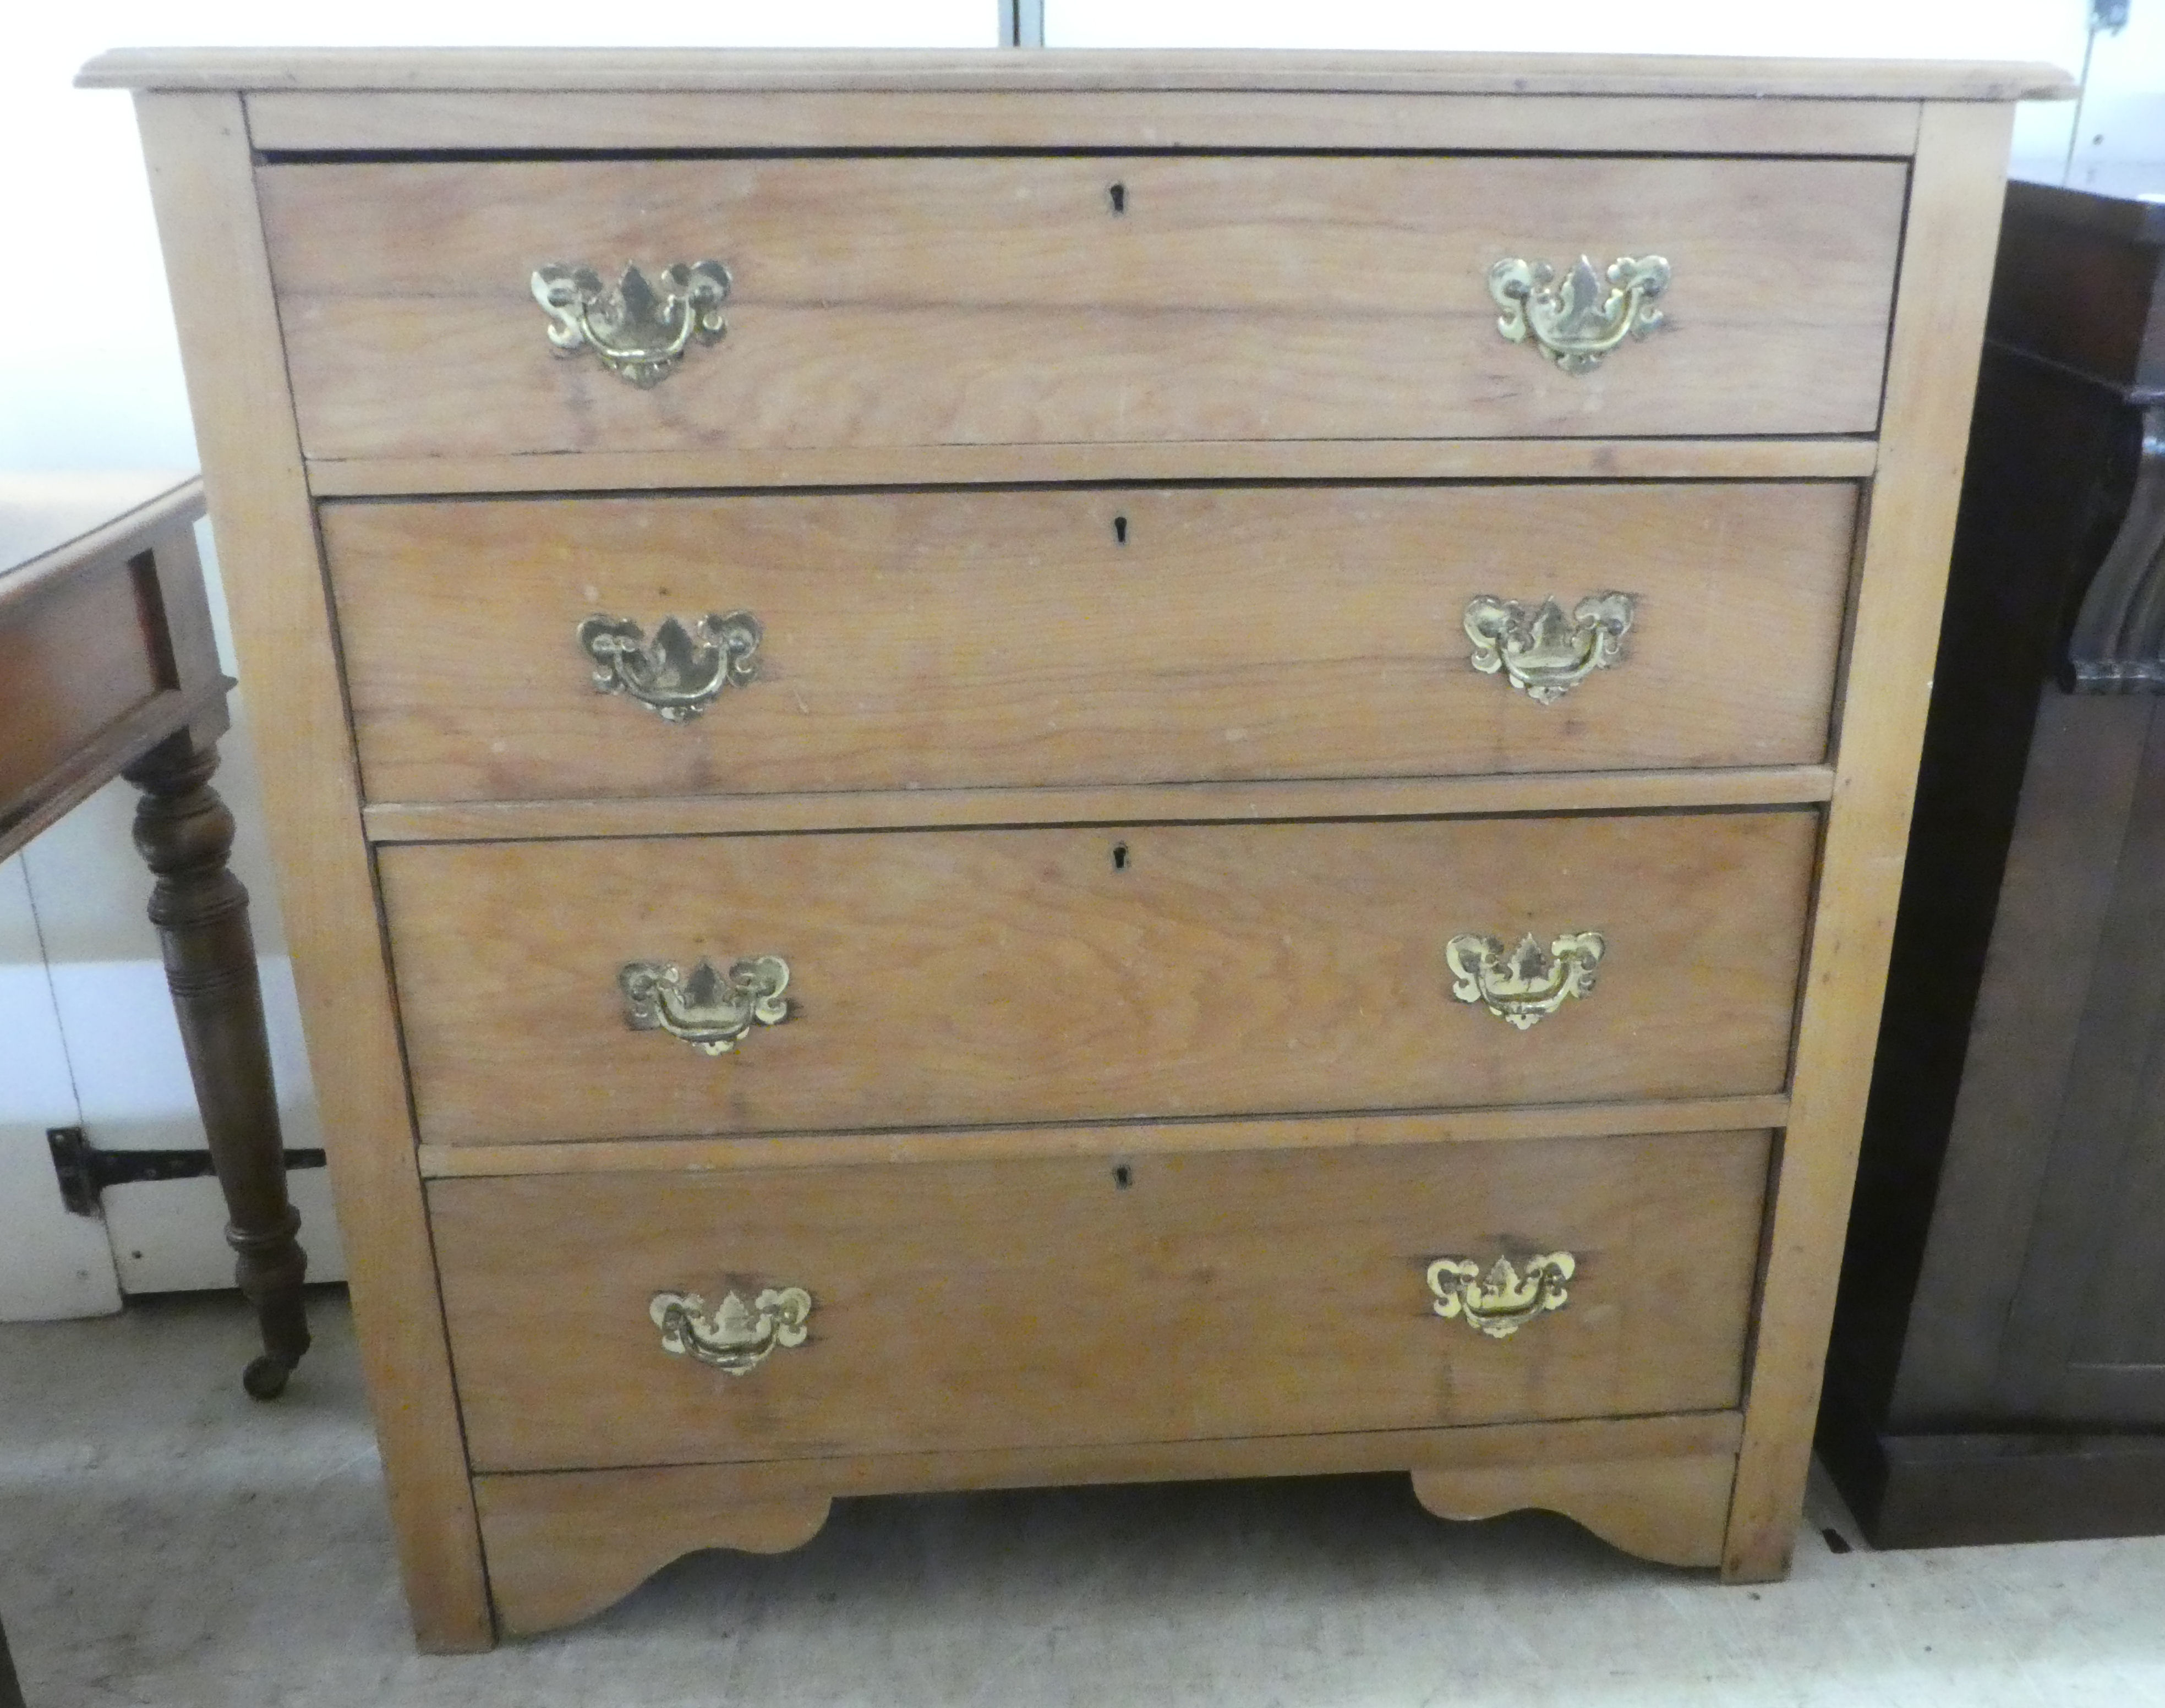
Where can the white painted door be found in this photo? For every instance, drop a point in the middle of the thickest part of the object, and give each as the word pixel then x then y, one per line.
pixel 52 1264
pixel 88 1038
pixel 87 888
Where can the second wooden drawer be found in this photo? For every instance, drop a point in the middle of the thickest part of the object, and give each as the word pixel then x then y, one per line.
pixel 963 639
pixel 944 978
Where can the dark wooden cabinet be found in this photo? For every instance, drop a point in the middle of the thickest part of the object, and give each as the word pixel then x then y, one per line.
pixel 1998 1371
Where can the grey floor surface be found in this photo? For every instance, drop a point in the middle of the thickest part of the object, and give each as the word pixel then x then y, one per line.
pixel 163 1540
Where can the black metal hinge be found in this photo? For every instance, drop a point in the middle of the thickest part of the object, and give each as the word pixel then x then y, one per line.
pixel 84 1171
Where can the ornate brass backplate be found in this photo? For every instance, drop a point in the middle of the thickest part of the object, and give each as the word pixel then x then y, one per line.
pixel 678 673
pixel 1505 1299
pixel 638 333
pixel 1524 984
pixel 710 1010
pixel 733 1337
pixel 1540 651
pixel 1577 323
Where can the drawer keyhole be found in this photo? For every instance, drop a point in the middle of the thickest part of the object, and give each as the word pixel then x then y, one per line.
pixel 1117 194
pixel 1119 857
pixel 1123 1176
pixel 1120 530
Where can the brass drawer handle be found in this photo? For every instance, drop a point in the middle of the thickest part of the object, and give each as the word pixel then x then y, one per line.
pixel 1522 984
pixel 637 333
pixel 678 673
pixel 710 1010
pixel 734 1338
pixel 1544 653
pixel 1505 1299
pixel 1577 323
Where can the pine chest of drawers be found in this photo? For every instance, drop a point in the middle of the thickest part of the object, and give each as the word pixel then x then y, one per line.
pixel 1004 769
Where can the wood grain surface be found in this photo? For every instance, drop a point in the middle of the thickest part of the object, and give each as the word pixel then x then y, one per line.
pixel 1133 803
pixel 950 978
pixel 658 70
pixel 939 640
pixel 563 1544
pixel 1220 460
pixel 554 1557
pixel 317 120
pixel 106 641
pixel 1111 1143
pixel 1670 1509
pixel 202 189
pixel 77 654
pixel 1001 1305
pixel 901 301
pixel 1946 278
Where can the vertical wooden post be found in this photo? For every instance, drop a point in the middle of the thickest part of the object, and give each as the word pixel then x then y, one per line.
pixel 1956 189
pixel 203 187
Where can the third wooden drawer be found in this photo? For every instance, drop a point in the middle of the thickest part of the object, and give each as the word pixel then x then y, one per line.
pixel 550 991
pixel 967 639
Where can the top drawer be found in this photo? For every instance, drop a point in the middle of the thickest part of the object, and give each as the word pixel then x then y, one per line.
pixel 954 300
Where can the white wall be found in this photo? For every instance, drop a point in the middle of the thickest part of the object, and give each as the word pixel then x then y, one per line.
pixel 1979 29
pixel 2051 30
pixel 91 378
pixel 52 1264
pixel 75 203
pixel 2119 140
pixel 77 215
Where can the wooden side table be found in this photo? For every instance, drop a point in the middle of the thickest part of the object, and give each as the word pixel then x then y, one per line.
pixel 109 668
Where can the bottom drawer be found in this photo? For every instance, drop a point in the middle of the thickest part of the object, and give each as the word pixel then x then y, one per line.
pixel 1072 1300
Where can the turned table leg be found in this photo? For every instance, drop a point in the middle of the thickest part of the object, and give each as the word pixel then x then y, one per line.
pixel 201 910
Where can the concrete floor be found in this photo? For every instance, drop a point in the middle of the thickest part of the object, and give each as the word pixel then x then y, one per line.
pixel 164 1541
